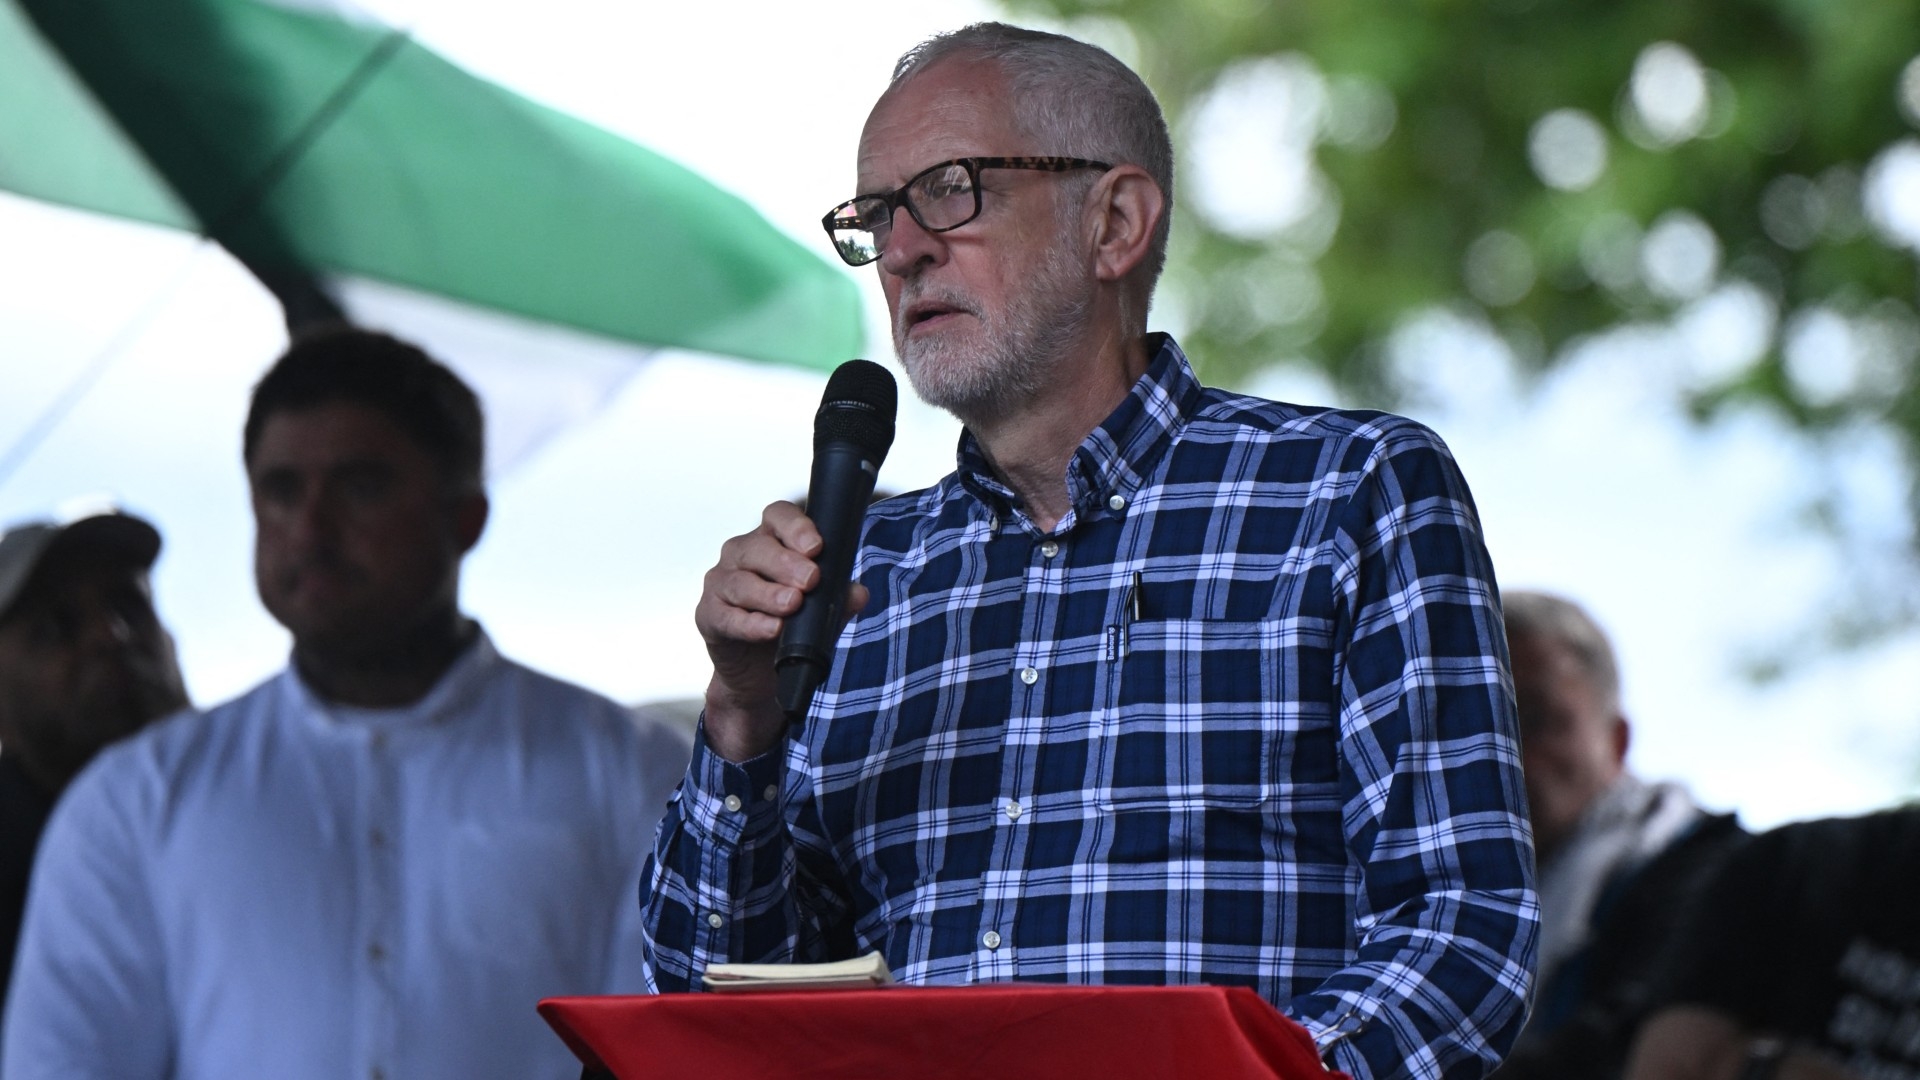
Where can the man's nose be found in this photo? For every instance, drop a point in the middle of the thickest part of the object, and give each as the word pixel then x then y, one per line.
pixel 312 517
pixel 910 244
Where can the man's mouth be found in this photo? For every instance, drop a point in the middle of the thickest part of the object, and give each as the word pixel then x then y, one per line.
pixel 320 576
pixel 927 313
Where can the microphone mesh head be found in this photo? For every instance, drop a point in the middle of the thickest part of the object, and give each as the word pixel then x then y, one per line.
pixel 858 408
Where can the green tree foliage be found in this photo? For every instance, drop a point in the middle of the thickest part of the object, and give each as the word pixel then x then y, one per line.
pixel 1803 95
pixel 1555 169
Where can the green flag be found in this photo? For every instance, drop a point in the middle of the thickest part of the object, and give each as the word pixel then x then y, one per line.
pixel 312 141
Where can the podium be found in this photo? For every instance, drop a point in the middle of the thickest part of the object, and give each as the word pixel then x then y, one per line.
pixel 1001 1031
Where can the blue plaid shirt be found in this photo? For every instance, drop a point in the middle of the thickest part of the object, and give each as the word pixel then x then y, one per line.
pixel 1242 717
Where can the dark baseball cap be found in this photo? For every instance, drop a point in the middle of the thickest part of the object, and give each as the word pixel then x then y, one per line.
pixel 114 534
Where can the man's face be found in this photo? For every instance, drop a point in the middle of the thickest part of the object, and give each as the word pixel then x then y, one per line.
pixel 359 534
pixel 979 312
pixel 83 661
pixel 1573 741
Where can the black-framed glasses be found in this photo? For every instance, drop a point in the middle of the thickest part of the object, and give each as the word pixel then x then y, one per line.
pixel 943 197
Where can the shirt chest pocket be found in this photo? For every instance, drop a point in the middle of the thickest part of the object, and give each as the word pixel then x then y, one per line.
pixel 1191 714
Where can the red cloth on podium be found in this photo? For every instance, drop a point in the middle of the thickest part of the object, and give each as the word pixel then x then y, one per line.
pixel 1005 1031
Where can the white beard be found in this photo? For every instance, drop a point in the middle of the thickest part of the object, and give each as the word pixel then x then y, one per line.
pixel 1016 350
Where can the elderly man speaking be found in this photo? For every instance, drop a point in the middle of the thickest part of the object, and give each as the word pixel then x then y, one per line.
pixel 1161 685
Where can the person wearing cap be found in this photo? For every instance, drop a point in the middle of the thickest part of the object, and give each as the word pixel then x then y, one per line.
pixel 375 864
pixel 84 661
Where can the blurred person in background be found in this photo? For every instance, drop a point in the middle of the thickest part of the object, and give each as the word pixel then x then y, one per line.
pixel 84 661
pixel 1801 961
pixel 377 862
pixel 1618 855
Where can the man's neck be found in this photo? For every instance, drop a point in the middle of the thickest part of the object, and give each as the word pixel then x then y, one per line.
pixel 395 676
pixel 25 776
pixel 1030 446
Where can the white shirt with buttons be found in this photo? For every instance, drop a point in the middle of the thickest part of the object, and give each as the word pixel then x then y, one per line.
pixel 282 887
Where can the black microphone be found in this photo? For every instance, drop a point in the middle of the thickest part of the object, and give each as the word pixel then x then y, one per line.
pixel 851 435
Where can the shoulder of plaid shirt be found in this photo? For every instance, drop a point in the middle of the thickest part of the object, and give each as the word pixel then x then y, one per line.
pixel 1243 718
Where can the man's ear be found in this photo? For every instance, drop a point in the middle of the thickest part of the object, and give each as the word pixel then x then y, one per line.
pixel 1127 207
pixel 470 519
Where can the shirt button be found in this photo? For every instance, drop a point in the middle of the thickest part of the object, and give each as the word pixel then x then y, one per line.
pixel 716 920
pixel 376 952
pixel 1029 676
pixel 1013 810
pixel 1049 549
pixel 1118 502
pixel 378 838
pixel 734 804
pixel 991 939
pixel 379 740
pixel 993 523
pixel 772 792
pixel 377 1073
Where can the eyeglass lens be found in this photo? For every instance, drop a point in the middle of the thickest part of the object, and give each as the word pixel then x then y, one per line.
pixel 941 198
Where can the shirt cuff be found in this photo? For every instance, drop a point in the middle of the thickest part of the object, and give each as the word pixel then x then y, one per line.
pixel 729 800
pixel 1333 1036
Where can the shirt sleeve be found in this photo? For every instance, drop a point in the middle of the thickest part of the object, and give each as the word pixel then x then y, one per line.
pixel 731 880
pixel 89 983
pixel 1433 807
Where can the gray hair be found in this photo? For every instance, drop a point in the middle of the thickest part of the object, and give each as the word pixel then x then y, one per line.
pixel 1557 619
pixel 1076 99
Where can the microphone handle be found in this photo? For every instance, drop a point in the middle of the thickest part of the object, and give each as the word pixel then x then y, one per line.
pixel 837 497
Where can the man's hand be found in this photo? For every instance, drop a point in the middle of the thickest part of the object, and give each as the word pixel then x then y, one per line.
pixel 760 580
pixel 1692 1042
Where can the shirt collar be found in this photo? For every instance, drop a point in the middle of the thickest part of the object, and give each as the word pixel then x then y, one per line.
pixel 449 697
pixel 1115 458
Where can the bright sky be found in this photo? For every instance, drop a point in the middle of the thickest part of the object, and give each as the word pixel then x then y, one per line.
pixel 1682 542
